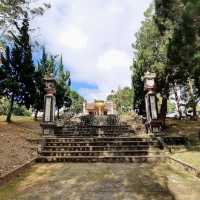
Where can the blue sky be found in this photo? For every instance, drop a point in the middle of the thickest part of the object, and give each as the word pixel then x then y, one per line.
pixel 94 37
pixel 78 85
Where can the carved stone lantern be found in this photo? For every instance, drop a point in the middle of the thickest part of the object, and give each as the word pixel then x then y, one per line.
pixel 48 123
pixel 149 81
pixel 152 123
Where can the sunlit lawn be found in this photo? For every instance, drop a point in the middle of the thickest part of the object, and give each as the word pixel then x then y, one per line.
pixel 182 127
pixel 16 118
pixel 21 125
pixel 190 157
pixel 191 129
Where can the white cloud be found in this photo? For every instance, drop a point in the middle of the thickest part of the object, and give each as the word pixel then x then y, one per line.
pixel 72 38
pixel 112 59
pixel 95 39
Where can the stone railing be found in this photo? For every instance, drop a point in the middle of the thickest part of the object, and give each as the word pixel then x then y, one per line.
pixel 188 168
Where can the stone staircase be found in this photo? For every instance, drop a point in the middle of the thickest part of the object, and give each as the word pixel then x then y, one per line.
pixel 95 144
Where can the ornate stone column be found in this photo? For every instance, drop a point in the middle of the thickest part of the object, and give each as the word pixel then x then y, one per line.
pixel 152 121
pixel 84 108
pixel 48 123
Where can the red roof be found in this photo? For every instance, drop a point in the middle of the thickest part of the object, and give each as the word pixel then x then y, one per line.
pixel 90 106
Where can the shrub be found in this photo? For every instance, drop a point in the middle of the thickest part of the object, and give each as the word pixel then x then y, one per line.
pixel 21 111
pixel 4 105
pixel 17 109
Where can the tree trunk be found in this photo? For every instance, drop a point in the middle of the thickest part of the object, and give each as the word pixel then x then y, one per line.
pixel 177 101
pixel 36 115
pixel 58 115
pixel 10 110
pixel 163 111
pixel 192 98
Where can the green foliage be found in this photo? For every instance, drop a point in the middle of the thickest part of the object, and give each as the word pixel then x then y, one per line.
pixel 17 109
pixel 123 99
pixel 138 89
pixel 62 87
pixel 21 111
pixel 12 11
pixel 39 83
pixel 4 106
pixel 171 106
pixel 77 102
pixel 49 65
pixel 168 44
pixel 181 17
pixel 17 69
pixel 150 54
pixel 20 81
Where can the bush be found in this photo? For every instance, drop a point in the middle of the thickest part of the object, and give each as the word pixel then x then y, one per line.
pixel 17 109
pixel 21 111
pixel 4 105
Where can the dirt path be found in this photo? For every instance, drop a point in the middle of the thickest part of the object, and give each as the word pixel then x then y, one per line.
pixel 102 182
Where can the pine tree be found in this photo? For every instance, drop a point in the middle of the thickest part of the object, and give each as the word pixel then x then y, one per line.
pixel 181 17
pixel 62 88
pixel 49 65
pixel 40 72
pixel 76 102
pixel 149 55
pixel 18 70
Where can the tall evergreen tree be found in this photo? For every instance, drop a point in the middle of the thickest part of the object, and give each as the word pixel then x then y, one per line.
pixel 49 65
pixel 183 47
pixel 62 88
pixel 18 70
pixel 149 55
pixel 76 102
pixel 40 72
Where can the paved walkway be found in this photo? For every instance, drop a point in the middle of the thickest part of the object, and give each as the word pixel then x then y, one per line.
pixel 102 182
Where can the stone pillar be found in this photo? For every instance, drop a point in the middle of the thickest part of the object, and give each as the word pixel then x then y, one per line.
pixel 112 108
pixel 48 123
pixel 152 121
pixel 84 107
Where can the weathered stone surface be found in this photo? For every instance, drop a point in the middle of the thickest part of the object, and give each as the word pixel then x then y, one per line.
pixel 102 182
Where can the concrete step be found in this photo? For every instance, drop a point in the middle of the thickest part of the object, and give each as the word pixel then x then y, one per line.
pixel 105 159
pixel 99 143
pixel 94 148
pixel 75 134
pixel 97 132
pixel 94 139
pixel 95 153
pixel 102 126
pixel 89 130
pixel 96 144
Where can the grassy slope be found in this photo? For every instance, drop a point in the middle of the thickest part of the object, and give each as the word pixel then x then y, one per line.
pixel 191 129
pixel 15 147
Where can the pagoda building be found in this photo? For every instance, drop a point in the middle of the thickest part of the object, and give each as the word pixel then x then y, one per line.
pixel 99 108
